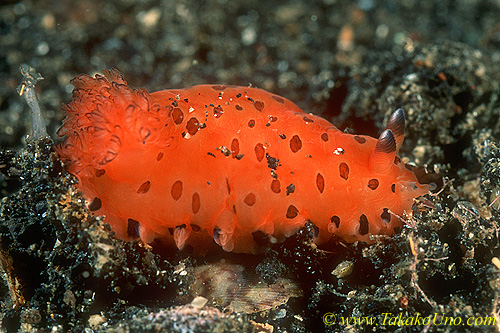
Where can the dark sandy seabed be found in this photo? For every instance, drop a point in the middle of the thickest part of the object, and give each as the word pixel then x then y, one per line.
pixel 353 62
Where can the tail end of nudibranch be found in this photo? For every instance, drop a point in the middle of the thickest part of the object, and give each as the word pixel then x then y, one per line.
pixel 104 117
pixel 396 124
pixel 383 155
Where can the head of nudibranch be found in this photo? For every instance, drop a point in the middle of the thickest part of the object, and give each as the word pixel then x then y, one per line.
pixel 381 188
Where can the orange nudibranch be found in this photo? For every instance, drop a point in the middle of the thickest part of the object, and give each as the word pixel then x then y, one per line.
pixel 238 165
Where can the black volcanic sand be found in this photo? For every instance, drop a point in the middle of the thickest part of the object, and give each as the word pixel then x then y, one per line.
pixel 351 62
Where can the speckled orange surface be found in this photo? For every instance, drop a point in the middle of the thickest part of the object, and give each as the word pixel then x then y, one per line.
pixel 238 164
